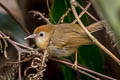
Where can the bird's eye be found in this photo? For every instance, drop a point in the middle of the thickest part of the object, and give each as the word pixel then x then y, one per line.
pixel 42 34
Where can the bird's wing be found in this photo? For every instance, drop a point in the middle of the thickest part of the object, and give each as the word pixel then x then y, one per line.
pixel 69 35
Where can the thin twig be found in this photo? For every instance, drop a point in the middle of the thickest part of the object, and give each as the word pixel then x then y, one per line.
pixel 83 12
pixel 83 72
pixel 73 3
pixel 41 15
pixel 12 16
pixel 5 52
pixel 22 45
pixel 47 1
pixel 87 12
pixel 67 62
pixel 63 16
pixel 25 60
pixel 4 37
pixel 19 67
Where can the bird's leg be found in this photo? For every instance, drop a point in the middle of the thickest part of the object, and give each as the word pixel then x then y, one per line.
pixel 76 62
pixel 44 57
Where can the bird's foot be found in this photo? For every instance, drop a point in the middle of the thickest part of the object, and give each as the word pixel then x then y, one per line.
pixel 75 65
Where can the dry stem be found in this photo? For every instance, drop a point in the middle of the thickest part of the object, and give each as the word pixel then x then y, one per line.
pixel 83 72
pixel 41 15
pixel 63 16
pixel 85 11
pixel 82 13
pixel 68 63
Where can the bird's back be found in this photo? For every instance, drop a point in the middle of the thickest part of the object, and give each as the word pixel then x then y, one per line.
pixel 69 35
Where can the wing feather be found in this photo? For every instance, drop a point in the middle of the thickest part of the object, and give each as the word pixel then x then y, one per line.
pixel 69 35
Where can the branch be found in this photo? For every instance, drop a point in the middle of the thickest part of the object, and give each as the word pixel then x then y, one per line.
pixel 63 16
pixel 69 63
pixel 82 13
pixel 85 11
pixel 83 72
pixel 41 15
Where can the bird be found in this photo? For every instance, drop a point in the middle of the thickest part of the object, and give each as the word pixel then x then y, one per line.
pixel 61 40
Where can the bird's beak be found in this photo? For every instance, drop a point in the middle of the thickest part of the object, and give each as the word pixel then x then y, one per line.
pixel 30 36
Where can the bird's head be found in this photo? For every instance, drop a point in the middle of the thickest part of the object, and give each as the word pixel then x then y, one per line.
pixel 42 35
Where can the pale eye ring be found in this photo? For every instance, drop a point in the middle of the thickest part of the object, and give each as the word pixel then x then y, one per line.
pixel 42 34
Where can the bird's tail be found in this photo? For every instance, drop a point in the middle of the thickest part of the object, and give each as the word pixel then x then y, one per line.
pixel 96 26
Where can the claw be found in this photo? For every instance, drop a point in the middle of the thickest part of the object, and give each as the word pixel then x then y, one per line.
pixel 75 66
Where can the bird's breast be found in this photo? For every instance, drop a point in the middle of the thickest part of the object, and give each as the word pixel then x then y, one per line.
pixel 59 52
pixel 41 43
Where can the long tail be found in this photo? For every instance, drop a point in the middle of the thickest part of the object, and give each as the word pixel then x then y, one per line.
pixel 96 26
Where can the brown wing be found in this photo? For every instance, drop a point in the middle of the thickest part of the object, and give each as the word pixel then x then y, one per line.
pixel 69 35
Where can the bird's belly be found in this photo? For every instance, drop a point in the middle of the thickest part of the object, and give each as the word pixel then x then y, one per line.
pixel 59 52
